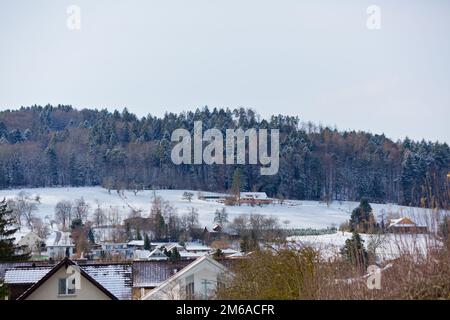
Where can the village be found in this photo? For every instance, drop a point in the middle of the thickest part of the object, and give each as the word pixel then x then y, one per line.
pixel 144 258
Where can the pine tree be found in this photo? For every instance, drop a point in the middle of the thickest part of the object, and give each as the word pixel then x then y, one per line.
pixel 354 252
pixel 91 237
pixel 8 251
pixel 147 244
pixel 218 254
pixel 236 183
pixel 175 255
pixel 52 163
pixel 362 218
pixel 138 234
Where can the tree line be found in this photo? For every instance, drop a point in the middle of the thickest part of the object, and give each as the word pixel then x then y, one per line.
pixel 46 146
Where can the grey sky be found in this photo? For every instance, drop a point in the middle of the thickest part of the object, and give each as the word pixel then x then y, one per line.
pixel 314 59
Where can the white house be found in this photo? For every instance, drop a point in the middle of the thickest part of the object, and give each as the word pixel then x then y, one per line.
pixel 198 280
pixel 61 246
pixel 32 241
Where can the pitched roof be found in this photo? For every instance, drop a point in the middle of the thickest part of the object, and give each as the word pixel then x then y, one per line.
pixel 153 273
pixel 4 266
pixel 255 195
pixel 64 263
pixel 402 222
pixel 195 263
pixel 116 278
pixel 26 275
pixel 139 243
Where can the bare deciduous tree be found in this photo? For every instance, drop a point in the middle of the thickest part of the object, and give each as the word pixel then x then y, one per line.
pixel 99 217
pixel 63 213
pixel 81 209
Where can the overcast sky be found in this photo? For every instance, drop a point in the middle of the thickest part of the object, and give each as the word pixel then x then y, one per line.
pixel 314 59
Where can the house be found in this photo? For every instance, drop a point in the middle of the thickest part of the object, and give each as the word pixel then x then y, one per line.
pixel 186 255
pixel 213 197
pixel 60 246
pixel 112 249
pixel 136 244
pixel 155 254
pixel 254 198
pixel 197 248
pixel 149 274
pixel 34 243
pixel 228 252
pixel 20 279
pixel 171 246
pixel 198 280
pixel 69 281
pixel 405 225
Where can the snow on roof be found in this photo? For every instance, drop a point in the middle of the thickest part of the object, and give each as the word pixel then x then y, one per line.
pixel 229 251
pixel 136 243
pixel 192 255
pixel 237 255
pixel 255 195
pixel 141 254
pixel 116 278
pixel 152 273
pixel 10 265
pixel 204 259
pixel 197 247
pixel 158 255
pixel 402 222
pixel 173 245
pixel 28 275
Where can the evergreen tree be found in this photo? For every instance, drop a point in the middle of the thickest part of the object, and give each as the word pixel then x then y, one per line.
pixel 218 254
pixel 159 226
pixel 362 218
pixel 147 244
pixel 91 237
pixel 175 255
pixel 354 252
pixel 236 183
pixel 52 166
pixel 167 253
pixel 138 234
pixel 8 250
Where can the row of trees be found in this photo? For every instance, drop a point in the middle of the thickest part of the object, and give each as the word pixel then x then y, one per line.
pixel 53 146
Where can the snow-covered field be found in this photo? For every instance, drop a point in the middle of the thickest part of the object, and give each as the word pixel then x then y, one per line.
pixel 387 246
pixel 300 214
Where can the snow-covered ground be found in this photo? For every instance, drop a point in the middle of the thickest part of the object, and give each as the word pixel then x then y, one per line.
pixel 387 246
pixel 300 214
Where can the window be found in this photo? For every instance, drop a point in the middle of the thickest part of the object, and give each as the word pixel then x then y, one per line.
pixel 66 286
pixel 190 290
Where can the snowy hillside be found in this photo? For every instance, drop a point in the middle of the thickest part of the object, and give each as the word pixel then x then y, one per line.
pixel 388 246
pixel 300 214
